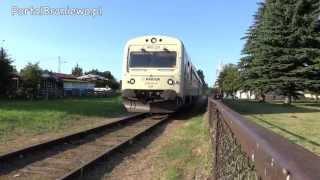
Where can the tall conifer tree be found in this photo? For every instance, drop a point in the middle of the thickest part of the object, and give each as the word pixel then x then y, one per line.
pixel 250 66
pixel 285 48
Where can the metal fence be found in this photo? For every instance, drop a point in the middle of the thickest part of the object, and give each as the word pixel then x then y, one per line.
pixel 245 150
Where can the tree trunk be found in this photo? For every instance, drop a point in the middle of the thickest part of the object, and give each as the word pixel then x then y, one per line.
pixel 262 97
pixel 288 99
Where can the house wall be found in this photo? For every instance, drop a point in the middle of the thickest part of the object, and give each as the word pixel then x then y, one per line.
pixel 50 87
pixel 80 88
pixel 245 95
pixel 311 96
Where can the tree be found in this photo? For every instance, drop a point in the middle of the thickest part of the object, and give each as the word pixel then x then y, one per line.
pixel 6 69
pixel 251 65
pixel 202 78
pixel 114 84
pixel 282 49
pixel 106 74
pixel 77 71
pixel 31 77
pixel 229 80
pixel 308 17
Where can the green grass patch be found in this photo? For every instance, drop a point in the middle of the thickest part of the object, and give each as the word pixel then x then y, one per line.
pixel 188 154
pixel 299 122
pixel 21 117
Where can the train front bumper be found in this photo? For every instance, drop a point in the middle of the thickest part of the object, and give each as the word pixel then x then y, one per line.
pixel 150 101
pixel 151 107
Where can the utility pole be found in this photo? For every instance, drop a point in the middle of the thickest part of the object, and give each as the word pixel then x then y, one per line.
pixel 60 62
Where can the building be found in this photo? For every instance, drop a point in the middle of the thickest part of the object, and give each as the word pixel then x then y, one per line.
pixel 15 81
pixel 54 85
pixel 51 86
pixel 73 86
pixel 101 88
pixel 245 95
pixel 61 85
pixel 312 96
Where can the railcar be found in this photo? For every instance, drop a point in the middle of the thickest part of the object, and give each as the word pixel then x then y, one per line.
pixel 158 76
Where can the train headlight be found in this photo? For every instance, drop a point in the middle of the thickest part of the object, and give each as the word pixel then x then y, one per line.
pixel 170 82
pixel 132 81
pixel 153 40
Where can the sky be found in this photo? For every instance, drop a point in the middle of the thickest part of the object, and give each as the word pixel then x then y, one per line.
pixel 210 29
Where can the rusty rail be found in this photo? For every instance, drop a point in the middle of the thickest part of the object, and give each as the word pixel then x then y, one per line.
pixel 245 150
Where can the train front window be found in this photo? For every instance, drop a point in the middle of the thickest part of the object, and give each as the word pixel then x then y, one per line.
pixel 164 59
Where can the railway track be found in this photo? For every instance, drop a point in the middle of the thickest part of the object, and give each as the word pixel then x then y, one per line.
pixel 69 156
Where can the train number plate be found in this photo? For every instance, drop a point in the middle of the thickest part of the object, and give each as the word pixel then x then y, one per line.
pixel 152 79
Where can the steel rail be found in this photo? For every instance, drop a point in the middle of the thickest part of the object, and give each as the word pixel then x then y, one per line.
pixel 274 157
pixel 20 152
pixel 79 170
pixel 46 146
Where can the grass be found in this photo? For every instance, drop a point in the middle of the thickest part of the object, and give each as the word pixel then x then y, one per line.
pixel 188 154
pixel 34 117
pixel 299 123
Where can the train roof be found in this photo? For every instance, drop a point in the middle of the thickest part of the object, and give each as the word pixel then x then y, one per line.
pixel 160 39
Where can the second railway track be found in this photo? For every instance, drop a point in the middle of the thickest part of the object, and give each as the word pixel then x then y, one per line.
pixel 67 157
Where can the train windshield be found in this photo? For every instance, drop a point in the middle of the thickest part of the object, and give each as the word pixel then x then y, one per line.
pixel 161 59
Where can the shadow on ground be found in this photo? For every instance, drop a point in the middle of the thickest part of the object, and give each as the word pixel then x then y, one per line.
pixel 192 110
pixel 297 136
pixel 312 104
pixel 253 107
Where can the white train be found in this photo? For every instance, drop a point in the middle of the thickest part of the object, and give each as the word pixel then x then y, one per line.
pixel 158 75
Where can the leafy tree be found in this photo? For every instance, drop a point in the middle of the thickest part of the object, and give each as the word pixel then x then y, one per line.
pixel 202 78
pixel 77 71
pixel 282 50
pixel 106 74
pixel 31 77
pixel 114 84
pixel 6 69
pixel 229 79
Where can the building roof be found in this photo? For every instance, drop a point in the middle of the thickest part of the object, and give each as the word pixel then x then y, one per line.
pixel 92 77
pixel 14 75
pixel 76 80
pixel 64 76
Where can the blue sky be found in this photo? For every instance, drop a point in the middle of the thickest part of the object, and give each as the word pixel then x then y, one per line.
pixel 210 29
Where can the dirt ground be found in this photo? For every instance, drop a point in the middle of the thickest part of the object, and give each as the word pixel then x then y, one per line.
pixel 139 160
pixel 141 165
pixel 135 162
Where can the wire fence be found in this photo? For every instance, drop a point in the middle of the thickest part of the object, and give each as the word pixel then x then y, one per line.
pixel 244 150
